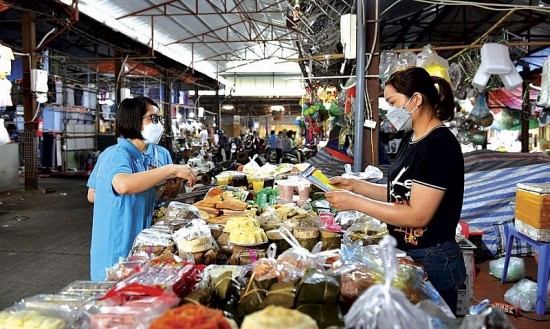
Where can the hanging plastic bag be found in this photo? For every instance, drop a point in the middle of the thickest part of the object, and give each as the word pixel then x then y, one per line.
pixel 406 59
pixel 4 136
pixel 388 62
pixel 481 114
pixel 383 306
pixel 421 56
pixel 437 66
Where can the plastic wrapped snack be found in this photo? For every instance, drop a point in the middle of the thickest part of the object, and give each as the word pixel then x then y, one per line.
pixel 152 242
pixel 318 287
pixel 293 263
pixel 65 306
pixel 180 211
pixel 15 319
pixel 194 237
pixel 383 306
pixel 88 288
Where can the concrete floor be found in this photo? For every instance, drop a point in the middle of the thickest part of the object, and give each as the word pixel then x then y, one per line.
pixel 44 238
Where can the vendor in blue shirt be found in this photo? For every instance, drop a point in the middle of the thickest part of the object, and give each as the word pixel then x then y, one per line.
pixel 122 185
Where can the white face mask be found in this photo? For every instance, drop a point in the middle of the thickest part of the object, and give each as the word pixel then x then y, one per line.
pixel 152 133
pixel 399 117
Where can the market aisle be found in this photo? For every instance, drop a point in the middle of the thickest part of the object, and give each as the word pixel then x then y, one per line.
pixel 44 239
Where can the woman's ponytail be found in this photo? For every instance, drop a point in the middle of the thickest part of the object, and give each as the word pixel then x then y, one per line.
pixel 445 105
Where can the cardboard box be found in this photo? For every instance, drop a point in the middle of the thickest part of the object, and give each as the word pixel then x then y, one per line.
pixel 533 205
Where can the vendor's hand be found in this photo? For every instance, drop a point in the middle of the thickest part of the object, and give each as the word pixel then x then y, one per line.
pixel 343 183
pixel 185 172
pixel 341 200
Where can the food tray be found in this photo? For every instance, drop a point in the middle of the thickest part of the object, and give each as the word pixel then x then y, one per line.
pixel 88 288
pixel 65 305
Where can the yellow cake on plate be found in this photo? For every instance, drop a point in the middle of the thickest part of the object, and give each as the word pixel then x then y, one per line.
pixel 241 222
pixel 276 317
pixel 249 235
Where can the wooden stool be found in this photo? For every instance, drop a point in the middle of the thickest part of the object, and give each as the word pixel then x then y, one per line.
pixel 543 249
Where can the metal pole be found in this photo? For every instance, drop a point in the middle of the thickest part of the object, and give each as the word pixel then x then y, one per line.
pixel 360 96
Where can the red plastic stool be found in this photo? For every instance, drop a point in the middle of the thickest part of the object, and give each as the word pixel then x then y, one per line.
pixel 543 249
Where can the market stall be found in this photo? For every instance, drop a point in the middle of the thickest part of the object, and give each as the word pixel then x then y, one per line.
pixel 261 249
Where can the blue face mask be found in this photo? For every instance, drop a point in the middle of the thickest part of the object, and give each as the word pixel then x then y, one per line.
pixel 399 117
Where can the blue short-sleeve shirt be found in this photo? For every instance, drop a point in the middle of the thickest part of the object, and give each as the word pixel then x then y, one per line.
pixel 117 218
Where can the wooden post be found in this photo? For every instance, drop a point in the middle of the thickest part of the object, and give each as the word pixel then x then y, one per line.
pixel 30 142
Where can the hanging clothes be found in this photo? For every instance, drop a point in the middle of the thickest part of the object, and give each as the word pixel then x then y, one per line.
pixel 5 92
pixel 6 56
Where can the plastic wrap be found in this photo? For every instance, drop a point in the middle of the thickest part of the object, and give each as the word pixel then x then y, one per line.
pixel 194 237
pixel 180 211
pixel 134 314
pixel 152 242
pixel 125 267
pixel 266 268
pixel 516 269
pixel 524 295
pixel 383 306
pixel 87 288
pixel 437 66
pixel 60 305
pixel 292 264
pixel 368 230
pixel 318 286
pixel 21 318
pixel 388 63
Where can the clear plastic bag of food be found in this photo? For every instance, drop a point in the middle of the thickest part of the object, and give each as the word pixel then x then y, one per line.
pixel 180 211
pixel 366 229
pixel 266 268
pixel 383 306
pixel 292 264
pixel 152 242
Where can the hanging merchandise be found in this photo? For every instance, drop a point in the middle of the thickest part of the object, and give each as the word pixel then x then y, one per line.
pixel 406 59
pixel 480 114
pixel 5 92
pixel 455 73
pixel 421 56
pixel 437 66
pixel 544 94
pixel 6 56
pixel 4 136
pixel 495 59
pixel 388 62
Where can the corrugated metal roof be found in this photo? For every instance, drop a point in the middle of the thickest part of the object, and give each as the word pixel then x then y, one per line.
pixel 206 35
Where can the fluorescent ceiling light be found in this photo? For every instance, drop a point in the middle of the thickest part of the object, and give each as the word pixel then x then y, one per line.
pixel 228 107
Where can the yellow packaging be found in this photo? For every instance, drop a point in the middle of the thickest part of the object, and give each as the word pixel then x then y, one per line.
pixel 533 208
